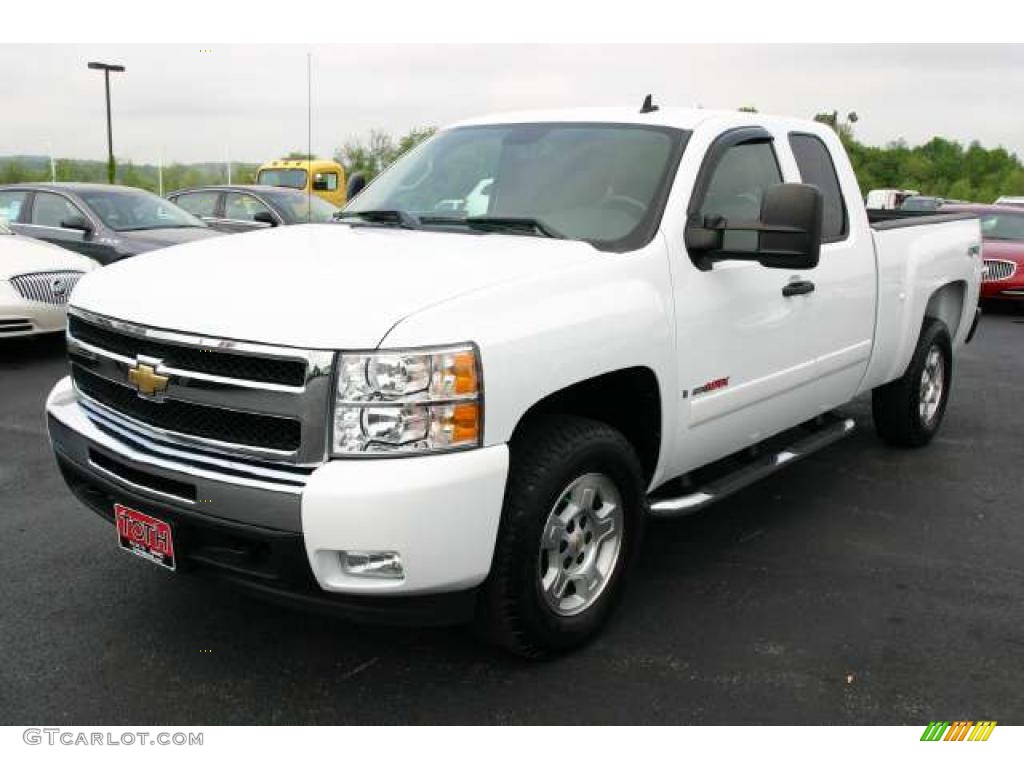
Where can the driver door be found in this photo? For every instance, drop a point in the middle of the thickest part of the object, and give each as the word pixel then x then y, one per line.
pixel 744 349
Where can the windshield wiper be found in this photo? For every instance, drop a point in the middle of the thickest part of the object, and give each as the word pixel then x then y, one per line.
pixel 524 225
pixel 397 216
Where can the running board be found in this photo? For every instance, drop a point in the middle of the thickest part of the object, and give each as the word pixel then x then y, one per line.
pixel 756 469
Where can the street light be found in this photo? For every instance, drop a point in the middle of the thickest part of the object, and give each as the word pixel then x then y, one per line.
pixel 107 69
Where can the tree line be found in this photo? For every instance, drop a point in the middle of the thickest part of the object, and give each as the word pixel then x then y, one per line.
pixel 939 167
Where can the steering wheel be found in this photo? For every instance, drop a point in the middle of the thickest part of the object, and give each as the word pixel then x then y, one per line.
pixel 626 204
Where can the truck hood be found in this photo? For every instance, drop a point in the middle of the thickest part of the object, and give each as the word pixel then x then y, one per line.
pixel 1004 249
pixel 328 286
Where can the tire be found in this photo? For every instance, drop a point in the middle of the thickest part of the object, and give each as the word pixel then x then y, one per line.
pixel 902 418
pixel 554 460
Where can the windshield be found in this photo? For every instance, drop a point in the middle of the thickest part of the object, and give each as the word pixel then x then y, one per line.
pixel 282 177
pixel 921 204
pixel 1002 226
pixel 297 208
pixel 603 183
pixel 127 210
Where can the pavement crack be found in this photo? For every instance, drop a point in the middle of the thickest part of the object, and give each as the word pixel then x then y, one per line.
pixel 358 669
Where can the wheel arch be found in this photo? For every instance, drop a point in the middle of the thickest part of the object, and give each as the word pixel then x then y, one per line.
pixel 947 304
pixel 628 399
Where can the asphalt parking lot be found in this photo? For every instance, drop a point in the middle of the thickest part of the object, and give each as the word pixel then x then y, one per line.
pixel 863 585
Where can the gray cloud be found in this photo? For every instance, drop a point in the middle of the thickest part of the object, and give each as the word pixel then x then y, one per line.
pixel 249 102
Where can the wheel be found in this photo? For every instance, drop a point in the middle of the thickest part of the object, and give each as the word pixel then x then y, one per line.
pixel 571 524
pixel 908 411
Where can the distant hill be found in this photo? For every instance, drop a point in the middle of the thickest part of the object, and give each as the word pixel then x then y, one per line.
pixel 19 168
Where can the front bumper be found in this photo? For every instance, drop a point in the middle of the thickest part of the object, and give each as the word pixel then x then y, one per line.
pixel 1010 289
pixel 281 535
pixel 19 317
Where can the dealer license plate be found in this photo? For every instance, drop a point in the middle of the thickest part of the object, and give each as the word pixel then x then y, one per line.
pixel 144 536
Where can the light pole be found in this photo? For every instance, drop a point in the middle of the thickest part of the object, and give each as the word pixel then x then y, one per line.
pixel 107 69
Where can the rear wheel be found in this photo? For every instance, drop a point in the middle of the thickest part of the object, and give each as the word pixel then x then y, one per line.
pixel 572 521
pixel 909 411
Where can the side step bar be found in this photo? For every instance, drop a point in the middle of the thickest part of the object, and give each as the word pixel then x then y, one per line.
pixel 758 468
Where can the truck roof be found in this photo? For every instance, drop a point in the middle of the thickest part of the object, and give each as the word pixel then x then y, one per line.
pixel 674 117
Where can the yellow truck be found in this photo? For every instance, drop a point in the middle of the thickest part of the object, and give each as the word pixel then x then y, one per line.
pixel 324 178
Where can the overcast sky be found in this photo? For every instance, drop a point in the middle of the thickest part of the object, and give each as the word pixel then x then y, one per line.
pixel 249 102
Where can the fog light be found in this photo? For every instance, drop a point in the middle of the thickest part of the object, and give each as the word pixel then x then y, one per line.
pixel 372 565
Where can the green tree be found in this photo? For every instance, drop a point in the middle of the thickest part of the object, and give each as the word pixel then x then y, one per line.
pixel 380 150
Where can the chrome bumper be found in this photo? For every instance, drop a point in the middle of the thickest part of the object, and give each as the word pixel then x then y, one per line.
pixel 101 444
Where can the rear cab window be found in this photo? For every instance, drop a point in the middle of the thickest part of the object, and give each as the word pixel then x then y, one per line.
pixel 816 167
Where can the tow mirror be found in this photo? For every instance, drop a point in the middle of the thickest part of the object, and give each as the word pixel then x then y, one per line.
pixel 77 222
pixel 788 232
pixel 356 182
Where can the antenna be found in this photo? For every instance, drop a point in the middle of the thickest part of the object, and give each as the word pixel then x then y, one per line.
pixel 309 137
pixel 649 105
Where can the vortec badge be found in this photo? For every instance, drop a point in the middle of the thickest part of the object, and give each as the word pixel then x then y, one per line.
pixel 711 386
pixel 146 380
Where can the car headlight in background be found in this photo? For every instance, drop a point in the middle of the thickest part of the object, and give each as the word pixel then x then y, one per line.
pixel 415 401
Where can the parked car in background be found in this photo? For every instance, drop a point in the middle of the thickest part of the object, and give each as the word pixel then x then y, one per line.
pixel 921 204
pixel 102 221
pixel 1002 232
pixel 324 178
pixel 244 207
pixel 887 199
pixel 1016 202
pixel 35 281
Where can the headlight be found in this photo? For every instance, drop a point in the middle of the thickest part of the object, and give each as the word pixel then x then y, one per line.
pixel 414 401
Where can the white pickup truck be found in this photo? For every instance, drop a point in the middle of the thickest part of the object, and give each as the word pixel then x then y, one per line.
pixel 432 411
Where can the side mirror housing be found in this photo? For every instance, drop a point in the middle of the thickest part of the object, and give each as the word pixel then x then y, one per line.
pixel 792 215
pixel 264 217
pixel 77 222
pixel 356 182
pixel 788 231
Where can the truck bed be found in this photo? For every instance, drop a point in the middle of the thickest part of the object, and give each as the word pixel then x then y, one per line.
pixel 889 219
pixel 916 254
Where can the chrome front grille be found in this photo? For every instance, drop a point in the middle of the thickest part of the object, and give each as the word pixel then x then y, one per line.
pixel 218 395
pixel 997 269
pixel 46 287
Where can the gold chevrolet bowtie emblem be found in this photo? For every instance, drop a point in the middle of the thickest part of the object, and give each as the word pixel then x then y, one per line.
pixel 146 380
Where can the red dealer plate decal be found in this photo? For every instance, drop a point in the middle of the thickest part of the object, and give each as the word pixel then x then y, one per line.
pixel 144 536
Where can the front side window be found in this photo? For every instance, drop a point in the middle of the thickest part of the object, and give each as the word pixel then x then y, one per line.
pixel 240 207
pixel 604 184
pixel 816 167
pixel 50 210
pixel 297 208
pixel 325 182
pixel 198 203
pixel 11 203
pixel 282 177
pixel 736 188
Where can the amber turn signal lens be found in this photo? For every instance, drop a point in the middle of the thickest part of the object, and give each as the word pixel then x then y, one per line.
pixel 464 368
pixel 466 423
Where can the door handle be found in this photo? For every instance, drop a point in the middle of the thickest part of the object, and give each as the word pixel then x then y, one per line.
pixel 797 287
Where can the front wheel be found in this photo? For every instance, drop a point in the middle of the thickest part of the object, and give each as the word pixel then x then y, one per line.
pixel 909 411
pixel 571 525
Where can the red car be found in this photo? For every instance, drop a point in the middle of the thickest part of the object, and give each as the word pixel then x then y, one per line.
pixel 1002 228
